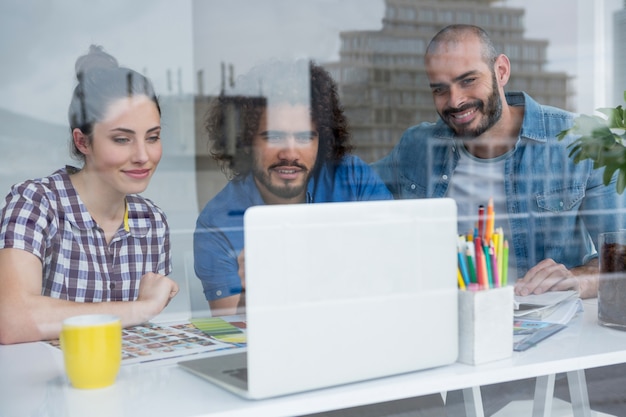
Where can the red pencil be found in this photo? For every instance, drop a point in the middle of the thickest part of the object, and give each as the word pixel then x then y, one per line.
pixel 481 267
pixel 481 221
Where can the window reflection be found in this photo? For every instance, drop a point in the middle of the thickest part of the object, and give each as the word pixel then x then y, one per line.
pixel 373 49
pixel 561 51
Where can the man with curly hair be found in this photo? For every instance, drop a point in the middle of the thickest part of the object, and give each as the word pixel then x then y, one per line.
pixel 282 138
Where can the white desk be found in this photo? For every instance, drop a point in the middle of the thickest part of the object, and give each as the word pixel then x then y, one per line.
pixel 32 381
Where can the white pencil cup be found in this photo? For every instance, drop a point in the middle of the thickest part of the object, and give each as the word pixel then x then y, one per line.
pixel 485 325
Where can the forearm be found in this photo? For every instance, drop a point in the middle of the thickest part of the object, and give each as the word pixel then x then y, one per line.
pixel 588 276
pixel 225 306
pixel 37 318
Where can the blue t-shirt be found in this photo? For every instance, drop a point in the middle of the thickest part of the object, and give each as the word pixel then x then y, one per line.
pixel 218 238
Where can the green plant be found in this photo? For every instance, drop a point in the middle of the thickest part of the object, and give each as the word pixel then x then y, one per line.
pixel 603 140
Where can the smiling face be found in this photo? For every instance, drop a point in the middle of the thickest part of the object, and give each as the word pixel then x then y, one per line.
pixel 465 91
pixel 125 146
pixel 284 153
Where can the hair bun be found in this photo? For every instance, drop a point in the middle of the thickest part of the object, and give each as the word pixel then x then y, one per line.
pixel 96 58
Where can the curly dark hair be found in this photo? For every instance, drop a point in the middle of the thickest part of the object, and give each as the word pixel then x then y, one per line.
pixel 233 119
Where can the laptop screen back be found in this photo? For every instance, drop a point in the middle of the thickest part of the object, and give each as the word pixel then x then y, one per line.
pixel 342 292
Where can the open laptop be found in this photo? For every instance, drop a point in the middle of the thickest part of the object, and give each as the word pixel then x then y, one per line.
pixel 343 292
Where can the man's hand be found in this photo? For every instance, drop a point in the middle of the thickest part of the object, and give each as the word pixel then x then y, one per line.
pixel 548 275
pixel 241 260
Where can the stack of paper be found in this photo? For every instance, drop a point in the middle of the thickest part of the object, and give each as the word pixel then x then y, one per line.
pixel 540 316
pixel 552 306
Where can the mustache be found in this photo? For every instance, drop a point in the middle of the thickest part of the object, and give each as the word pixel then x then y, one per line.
pixel 291 164
pixel 476 103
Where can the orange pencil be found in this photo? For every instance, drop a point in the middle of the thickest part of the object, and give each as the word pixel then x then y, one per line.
pixel 490 221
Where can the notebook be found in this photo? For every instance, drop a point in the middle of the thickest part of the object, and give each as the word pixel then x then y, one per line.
pixel 343 292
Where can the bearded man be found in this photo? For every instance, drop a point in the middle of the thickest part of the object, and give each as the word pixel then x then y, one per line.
pixel 282 137
pixel 492 144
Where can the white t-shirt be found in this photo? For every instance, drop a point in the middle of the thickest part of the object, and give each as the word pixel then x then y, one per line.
pixel 474 181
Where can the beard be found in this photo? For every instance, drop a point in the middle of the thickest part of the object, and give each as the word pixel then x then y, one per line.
pixel 281 189
pixel 491 110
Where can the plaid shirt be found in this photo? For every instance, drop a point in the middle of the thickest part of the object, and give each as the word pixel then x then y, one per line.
pixel 47 218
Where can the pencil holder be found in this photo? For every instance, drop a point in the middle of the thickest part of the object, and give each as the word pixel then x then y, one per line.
pixel 485 325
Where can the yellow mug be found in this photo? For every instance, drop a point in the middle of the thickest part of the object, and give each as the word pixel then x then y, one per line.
pixel 92 349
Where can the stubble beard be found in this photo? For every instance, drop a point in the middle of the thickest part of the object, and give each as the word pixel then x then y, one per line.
pixel 288 189
pixel 492 110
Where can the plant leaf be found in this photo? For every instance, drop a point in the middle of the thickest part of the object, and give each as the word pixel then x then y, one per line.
pixel 601 140
pixel 621 182
pixel 609 170
pixel 615 116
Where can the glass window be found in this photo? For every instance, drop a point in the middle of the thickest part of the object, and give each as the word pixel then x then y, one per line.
pixel 196 50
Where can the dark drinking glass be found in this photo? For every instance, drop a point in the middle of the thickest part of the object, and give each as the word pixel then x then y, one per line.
pixel 612 284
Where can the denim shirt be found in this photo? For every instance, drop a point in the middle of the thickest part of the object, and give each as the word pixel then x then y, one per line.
pixel 219 238
pixel 556 208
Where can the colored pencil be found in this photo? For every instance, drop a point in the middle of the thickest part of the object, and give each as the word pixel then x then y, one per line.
pixel 481 221
pixel 505 262
pixel 481 271
pixel 463 267
pixel 500 252
pixel 459 279
pixel 490 221
pixel 470 265
pixel 488 265
pixel 494 266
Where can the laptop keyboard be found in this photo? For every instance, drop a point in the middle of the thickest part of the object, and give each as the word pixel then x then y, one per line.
pixel 240 373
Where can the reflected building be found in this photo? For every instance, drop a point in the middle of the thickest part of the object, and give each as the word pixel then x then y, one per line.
pixel 619 56
pixel 381 75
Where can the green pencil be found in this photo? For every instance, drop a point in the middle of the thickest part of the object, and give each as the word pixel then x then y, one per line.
pixel 470 266
pixel 488 262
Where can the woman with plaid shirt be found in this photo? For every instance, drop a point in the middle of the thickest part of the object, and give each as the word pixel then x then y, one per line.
pixel 82 241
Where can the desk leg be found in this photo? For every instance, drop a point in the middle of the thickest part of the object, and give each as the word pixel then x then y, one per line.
pixel 578 393
pixel 544 392
pixel 473 402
